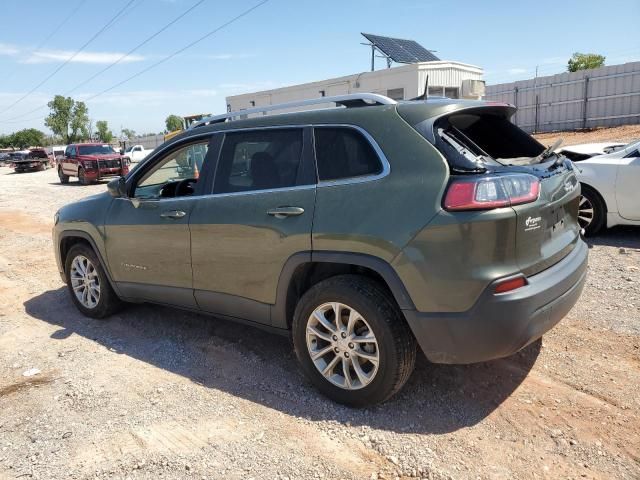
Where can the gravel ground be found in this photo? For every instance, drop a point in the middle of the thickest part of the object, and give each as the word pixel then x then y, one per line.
pixel 158 393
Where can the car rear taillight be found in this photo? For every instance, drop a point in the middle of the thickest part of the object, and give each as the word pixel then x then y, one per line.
pixel 487 192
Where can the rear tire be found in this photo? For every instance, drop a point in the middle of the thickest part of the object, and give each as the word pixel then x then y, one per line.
pixel 592 211
pixel 63 178
pixel 379 360
pixel 88 284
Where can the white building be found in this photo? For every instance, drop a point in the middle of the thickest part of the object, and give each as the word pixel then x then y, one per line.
pixel 444 78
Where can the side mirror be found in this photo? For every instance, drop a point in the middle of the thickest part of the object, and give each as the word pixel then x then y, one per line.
pixel 117 187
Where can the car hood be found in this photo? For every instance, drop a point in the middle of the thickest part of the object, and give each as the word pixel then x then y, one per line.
pixel 590 148
pixel 113 156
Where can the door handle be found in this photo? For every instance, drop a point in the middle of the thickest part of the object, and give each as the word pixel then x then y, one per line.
pixel 284 212
pixel 175 214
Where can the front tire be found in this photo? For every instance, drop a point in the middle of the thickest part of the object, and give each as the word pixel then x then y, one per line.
pixel 82 178
pixel 88 284
pixel 63 178
pixel 352 340
pixel 592 211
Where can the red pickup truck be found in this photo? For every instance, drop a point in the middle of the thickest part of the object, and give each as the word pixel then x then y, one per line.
pixel 91 162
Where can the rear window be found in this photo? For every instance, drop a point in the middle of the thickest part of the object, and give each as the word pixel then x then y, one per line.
pixel 95 150
pixel 344 153
pixel 472 139
pixel 38 154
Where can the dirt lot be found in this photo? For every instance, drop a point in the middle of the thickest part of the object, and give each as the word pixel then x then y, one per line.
pixel 626 133
pixel 159 393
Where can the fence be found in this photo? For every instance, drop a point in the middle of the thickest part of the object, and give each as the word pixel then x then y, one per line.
pixel 606 96
pixel 148 141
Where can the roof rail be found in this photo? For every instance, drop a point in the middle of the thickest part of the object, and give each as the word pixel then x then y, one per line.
pixel 350 100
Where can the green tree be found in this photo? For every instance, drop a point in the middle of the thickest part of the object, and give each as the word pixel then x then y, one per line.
pixel 128 133
pixel 5 141
pixel 585 61
pixel 174 122
pixel 80 122
pixel 28 137
pixel 104 133
pixel 68 119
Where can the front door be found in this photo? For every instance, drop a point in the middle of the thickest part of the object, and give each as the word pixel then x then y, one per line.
pixel 259 214
pixel 627 184
pixel 147 235
pixel 70 162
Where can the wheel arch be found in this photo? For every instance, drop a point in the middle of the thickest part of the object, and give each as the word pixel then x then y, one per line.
pixel 69 238
pixel 305 269
pixel 597 192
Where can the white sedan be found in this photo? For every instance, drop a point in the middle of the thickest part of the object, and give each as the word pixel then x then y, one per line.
pixel 609 175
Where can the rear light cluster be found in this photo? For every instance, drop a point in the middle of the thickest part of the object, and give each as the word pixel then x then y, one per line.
pixel 487 192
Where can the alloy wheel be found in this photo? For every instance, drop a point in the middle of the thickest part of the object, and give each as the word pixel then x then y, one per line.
pixel 342 346
pixel 585 212
pixel 85 281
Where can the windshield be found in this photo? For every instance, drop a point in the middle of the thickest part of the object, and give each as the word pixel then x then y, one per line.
pixel 617 148
pixel 95 150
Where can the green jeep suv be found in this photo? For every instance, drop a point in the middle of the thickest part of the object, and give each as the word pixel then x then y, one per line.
pixel 364 231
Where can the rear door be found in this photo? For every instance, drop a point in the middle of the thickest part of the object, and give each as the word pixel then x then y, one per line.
pixel 259 214
pixel 548 229
pixel 483 141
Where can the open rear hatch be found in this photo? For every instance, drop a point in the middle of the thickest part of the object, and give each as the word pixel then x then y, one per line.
pixel 495 164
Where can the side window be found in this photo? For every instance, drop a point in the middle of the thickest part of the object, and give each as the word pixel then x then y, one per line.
pixel 175 174
pixel 259 160
pixel 344 153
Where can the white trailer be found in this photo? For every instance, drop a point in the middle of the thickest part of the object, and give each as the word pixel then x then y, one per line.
pixel 442 78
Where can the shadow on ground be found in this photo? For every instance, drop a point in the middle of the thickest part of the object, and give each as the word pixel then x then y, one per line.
pixel 622 236
pixel 261 367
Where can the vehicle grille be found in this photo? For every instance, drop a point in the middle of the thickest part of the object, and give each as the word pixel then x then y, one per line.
pixel 115 163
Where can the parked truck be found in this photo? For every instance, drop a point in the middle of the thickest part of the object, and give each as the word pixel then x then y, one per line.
pixel 136 153
pixel 33 159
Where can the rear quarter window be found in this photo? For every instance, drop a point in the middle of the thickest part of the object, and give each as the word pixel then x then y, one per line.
pixel 344 153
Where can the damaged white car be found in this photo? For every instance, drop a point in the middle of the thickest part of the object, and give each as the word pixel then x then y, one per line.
pixel 609 174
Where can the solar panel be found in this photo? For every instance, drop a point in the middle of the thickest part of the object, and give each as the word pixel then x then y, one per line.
pixel 401 51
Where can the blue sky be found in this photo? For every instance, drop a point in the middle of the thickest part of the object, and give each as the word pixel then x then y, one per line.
pixel 280 43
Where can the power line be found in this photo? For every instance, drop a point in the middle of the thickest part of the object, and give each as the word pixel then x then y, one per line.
pixel 179 51
pixel 61 66
pixel 141 44
pixel 55 30
pixel 100 72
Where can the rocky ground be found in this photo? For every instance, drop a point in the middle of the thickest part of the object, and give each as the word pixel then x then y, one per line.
pixel 158 393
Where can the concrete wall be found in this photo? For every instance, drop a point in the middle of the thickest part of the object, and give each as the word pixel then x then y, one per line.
pixel 600 97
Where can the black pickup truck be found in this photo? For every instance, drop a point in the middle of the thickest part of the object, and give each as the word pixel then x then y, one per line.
pixel 34 159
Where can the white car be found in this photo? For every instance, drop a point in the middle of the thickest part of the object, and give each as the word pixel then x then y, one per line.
pixel 610 178
pixel 588 150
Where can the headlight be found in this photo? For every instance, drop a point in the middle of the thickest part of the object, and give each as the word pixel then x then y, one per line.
pixel 56 218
